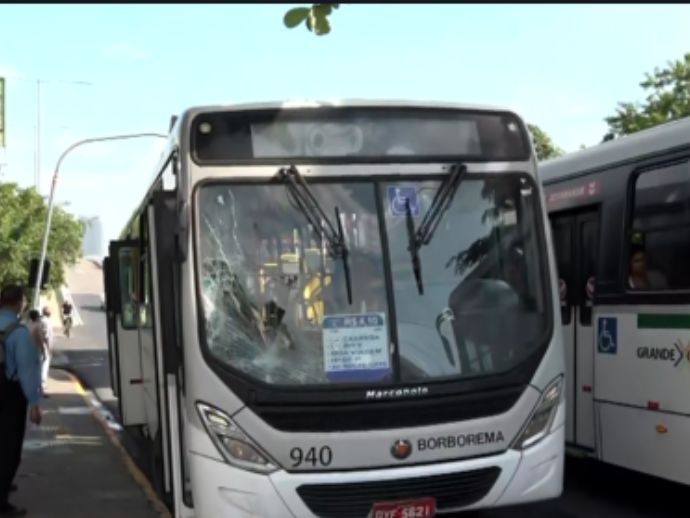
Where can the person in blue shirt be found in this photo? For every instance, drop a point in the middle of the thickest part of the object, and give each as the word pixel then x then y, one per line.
pixel 20 388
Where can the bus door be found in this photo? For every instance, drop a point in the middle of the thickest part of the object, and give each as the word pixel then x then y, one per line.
pixel 576 240
pixel 124 319
pixel 171 466
pixel 109 290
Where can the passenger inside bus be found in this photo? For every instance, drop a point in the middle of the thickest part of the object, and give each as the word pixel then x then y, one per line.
pixel 639 276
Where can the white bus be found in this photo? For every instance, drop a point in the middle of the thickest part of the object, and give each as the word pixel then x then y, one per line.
pixel 341 310
pixel 620 216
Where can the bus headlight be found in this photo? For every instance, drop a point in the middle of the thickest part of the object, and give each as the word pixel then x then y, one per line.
pixel 232 443
pixel 539 424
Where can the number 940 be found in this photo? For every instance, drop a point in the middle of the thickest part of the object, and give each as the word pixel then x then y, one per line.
pixel 322 457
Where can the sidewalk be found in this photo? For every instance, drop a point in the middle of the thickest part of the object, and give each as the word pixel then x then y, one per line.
pixel 72 465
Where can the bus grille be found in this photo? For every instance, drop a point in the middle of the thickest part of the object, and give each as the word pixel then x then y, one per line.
pixel 386 415
pixel 355 500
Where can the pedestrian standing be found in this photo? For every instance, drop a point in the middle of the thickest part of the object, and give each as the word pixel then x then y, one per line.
pixel 20 386
pixel 33 323
pixel 49 339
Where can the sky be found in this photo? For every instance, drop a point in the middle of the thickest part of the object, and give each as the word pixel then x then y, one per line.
pixel 562 67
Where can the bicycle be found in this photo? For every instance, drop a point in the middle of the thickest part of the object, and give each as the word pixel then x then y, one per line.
pixel 67 325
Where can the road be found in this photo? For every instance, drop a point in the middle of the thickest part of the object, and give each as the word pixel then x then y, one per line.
pixel 592 489
pixel 86 351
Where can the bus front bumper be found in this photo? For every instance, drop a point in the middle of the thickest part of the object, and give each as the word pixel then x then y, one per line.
pixel 220 490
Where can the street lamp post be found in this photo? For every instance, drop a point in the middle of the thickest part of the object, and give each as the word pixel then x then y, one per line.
pixel 46 230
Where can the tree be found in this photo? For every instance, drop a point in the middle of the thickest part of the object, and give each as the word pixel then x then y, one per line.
pixel 314 17
pixel 668 99
pixel 544 146
pixel 22 218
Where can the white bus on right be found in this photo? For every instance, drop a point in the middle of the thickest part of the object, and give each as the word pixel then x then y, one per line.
pixel 620 220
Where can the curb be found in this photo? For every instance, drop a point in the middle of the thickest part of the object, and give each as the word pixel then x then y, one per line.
pixel 109 424
pixel 95 403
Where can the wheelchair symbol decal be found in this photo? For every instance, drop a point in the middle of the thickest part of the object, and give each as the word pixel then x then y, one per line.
pixel 398 197
pixel 607 336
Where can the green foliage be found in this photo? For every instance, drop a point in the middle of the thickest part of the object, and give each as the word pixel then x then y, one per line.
pixel 315 18
pixel 22 218
pixel 295 16
pixel 668 99
pixel 544 146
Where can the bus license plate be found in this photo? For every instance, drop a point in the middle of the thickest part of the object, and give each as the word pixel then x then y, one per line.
pixel 418 508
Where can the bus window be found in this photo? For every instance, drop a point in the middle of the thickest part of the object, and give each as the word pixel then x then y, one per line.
pixel 589 236
pixel 658 260
pixel 483 266
pixel 562 240
pixel 128 269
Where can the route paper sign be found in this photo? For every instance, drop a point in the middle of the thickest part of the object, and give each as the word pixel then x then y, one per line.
pixel 355 347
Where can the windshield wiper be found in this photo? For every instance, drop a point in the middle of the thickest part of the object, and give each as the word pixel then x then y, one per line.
pixel 307 203
pixel 422 236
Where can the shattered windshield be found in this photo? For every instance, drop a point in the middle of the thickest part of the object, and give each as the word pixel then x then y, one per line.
pixel 275 301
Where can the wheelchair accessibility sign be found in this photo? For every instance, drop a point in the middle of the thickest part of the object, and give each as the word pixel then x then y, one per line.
pixel 399 196
pixel 607 335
